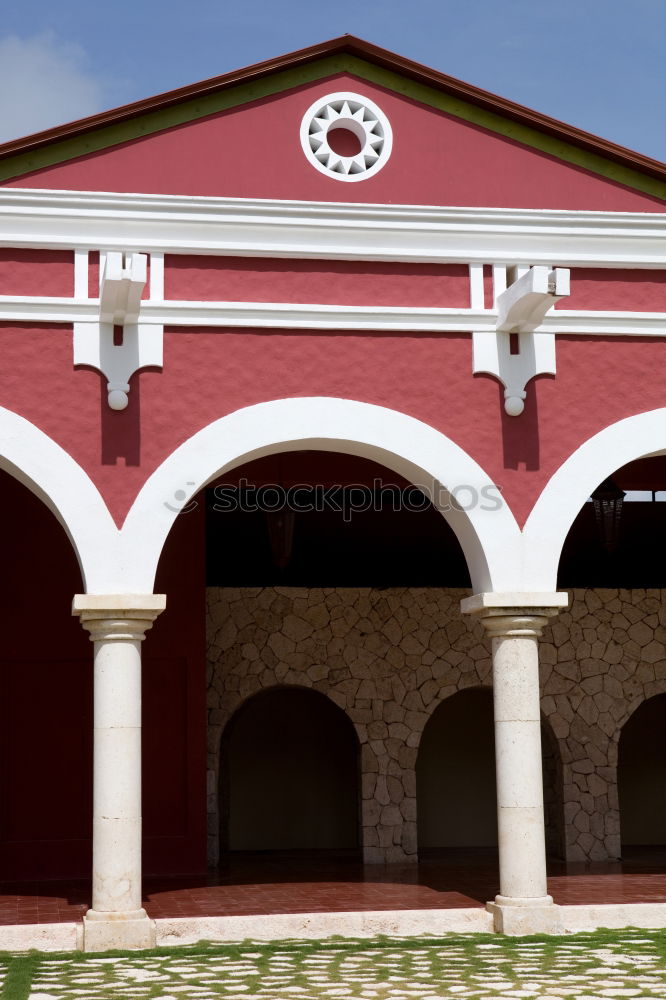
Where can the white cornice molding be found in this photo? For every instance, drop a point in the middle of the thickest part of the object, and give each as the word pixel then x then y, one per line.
pixel 297 316
pixel 263 228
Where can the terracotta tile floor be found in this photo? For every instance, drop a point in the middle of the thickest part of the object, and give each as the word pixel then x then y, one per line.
pixel 301 884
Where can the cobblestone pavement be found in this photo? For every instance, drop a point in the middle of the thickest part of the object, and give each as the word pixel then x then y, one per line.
pixel 586 967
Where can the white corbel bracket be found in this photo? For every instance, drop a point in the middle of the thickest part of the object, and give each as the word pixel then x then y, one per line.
pixel 521 309
pixel 122 283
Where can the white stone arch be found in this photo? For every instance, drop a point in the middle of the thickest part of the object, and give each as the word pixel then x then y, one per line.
pixel 567 490
pixel 34 459
pixel 488 532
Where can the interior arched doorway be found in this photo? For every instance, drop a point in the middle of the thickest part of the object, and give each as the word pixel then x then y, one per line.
pixel 455 778
pixel 455 775
pixel 289 775
pixel 642 779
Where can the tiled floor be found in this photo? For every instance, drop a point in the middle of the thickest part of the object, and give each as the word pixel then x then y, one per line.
pixel 293 884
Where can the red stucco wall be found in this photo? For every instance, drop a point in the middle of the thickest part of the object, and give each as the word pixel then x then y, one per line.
pixel 209 373
pixel 254 151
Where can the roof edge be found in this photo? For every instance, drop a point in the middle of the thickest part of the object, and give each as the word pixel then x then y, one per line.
pixel 365 50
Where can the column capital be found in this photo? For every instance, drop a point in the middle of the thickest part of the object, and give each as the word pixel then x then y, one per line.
pixel 118 617
pixel 513 613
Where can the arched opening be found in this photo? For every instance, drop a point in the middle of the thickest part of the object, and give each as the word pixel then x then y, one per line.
pixel 455 775
pixel 323 519
pixel 455 779
pixel 642 780
pixel 296 586
pixel 289 769
pixel 617 538
pixel 418 454
pixel 612 561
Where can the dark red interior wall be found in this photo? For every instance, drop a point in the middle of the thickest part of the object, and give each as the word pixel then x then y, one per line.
pixel 174 707
pixel 46 703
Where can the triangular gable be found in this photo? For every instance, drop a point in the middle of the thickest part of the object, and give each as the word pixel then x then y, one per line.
pixel 237 136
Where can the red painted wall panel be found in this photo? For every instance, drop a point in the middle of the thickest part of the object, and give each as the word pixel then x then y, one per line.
pixel 241 279
pixel 209 373
pixel 254 151
pixel 36 272
pixel 607 289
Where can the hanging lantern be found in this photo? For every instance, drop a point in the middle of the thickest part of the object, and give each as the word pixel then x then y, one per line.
pixel 607 500
pixel 281 533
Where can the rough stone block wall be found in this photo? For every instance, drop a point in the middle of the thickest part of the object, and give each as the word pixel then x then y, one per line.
pixel 599 660
pixel 389 657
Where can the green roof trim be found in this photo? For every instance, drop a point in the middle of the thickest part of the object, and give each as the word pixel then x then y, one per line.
pixel 150 122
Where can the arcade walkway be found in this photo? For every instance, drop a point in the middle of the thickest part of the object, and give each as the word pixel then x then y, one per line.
pixel 254 885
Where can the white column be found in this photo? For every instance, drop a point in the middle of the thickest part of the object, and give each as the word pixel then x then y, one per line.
pixel 117 625
pixel 523 905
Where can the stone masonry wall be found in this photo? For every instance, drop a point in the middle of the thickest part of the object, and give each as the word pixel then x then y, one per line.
pixel 389 657
pixel 599 660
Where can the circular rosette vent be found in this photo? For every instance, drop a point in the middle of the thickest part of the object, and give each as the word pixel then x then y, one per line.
pixel 346 136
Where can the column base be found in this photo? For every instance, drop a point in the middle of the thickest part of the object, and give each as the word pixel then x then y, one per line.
pixel 529 915
pixel 131 929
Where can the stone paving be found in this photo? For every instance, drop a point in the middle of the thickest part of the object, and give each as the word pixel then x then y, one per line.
pixel 598 966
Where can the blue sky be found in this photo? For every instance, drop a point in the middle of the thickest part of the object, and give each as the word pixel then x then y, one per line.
pixel 597 64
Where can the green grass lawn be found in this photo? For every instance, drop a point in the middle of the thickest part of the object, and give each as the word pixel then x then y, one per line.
pixel 599 966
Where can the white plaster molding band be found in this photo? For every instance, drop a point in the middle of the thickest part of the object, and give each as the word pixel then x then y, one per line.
pixel 298 316
pixel 263 228
pixel 569 487
pixel 487 532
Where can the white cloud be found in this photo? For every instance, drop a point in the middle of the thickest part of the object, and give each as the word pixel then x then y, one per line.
pixel 44 82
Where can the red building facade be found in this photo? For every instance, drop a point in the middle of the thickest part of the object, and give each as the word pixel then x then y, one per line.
pixel 335 269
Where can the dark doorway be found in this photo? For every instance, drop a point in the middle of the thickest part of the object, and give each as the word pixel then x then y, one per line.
pixel 642 776
pixel 455 778
pixel 455 774
pixel 289 775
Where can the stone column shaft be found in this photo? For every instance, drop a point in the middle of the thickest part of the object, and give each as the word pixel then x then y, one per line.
pixel 117 625
pixel 520 816
pixel 523 905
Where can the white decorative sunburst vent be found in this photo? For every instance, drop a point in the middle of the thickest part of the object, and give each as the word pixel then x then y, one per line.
pixel 346 137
